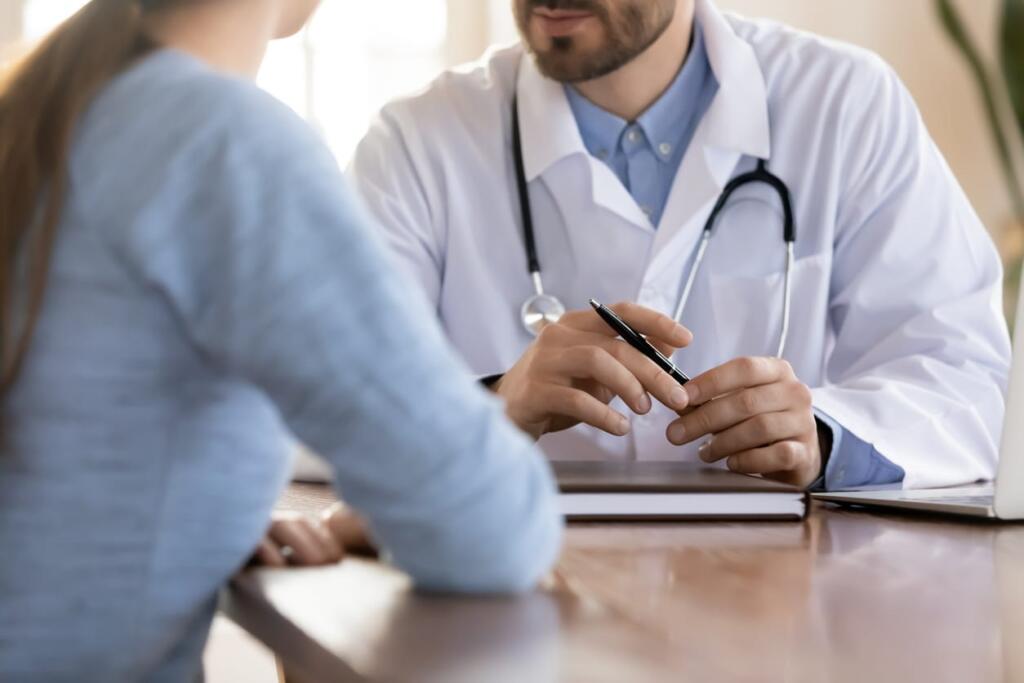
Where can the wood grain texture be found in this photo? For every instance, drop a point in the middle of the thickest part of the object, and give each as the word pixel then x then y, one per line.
pixel 844 596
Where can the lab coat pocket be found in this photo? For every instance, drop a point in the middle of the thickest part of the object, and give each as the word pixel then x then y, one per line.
pixel 748 314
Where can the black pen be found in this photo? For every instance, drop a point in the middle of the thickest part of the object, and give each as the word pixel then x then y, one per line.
pixel 638 341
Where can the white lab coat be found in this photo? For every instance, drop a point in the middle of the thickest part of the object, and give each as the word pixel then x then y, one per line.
pixel 896 321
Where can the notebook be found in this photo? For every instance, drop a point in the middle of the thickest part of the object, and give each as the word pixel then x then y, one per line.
pixel 596 490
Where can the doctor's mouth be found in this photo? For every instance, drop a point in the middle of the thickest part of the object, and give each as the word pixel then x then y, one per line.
pixel 561 23
pixel 581 40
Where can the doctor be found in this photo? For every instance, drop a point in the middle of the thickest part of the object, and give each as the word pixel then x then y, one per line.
pixel 634 118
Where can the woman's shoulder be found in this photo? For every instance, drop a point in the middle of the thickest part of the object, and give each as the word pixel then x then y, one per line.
pixel 170 108
pixel 172 133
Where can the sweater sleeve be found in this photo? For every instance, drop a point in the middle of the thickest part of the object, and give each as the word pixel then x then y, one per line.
pixel 268 262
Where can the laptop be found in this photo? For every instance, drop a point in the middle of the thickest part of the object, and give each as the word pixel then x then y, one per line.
pixel 1003 499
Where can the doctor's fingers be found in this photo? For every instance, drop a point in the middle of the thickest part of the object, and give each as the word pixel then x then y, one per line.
pixel 589 362
pixel 785 456
pixel 656 381
pixel 554 339
pixel 758 432
pixel 737 374
pixel 779 457
pixel 570 331
pixel 555 399
pixel 726 411
pixel 658 327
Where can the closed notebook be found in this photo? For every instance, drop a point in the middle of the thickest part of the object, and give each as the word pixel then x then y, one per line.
pixel 594 490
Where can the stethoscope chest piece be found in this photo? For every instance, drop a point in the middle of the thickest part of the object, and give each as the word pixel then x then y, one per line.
pixel 539 311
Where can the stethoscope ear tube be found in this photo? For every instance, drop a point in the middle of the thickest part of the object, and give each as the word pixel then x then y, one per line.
pixel 787 300
pixel 532 262
pixel 759 175
pixel 702 248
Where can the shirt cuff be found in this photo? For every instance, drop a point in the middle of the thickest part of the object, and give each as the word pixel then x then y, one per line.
pixel 854 463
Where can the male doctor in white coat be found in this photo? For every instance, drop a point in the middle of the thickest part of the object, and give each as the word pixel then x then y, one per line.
pixel 635 114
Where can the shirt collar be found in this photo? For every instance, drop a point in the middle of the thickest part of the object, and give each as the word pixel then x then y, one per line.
pixel 664 121
pixel 601 130
pixel 668 121
pixel 668 118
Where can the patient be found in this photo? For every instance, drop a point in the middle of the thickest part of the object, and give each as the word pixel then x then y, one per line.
pixel 183 287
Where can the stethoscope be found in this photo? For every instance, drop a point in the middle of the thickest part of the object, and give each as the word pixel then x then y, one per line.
pixel 541 308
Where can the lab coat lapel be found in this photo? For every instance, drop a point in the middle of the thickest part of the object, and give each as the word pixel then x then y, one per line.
pixel 550 136
pixel 735 125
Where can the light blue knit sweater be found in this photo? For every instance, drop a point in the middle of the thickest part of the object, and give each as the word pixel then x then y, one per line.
pixel 213 291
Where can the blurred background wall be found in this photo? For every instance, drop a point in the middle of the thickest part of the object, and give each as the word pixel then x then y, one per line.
pixel 357 55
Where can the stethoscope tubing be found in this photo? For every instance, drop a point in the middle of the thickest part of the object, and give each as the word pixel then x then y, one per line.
pixel 526 211
pixel 760 174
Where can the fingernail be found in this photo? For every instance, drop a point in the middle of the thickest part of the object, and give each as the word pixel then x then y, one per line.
pixel 643 404
pixel 692 394
pixel 678 398
pixel 677 434
pixel 704 451
pixel 623 426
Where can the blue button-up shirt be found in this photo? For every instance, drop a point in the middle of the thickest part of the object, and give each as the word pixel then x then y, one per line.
pixel 645 155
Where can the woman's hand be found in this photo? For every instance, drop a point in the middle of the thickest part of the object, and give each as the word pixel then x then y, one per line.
pixel 349 529
pixel 299 540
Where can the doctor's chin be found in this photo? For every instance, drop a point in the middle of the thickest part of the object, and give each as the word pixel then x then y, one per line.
pixel 511 340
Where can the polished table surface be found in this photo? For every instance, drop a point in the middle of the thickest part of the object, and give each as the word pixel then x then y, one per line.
pixel 844 596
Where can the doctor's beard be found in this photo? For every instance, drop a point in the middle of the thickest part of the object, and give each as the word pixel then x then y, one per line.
pixel 618 32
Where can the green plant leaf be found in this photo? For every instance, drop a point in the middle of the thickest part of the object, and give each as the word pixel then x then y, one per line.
pixel 1011 54
pixel 956 31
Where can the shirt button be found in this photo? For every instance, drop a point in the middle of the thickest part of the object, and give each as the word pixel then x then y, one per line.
pixel 647 210
pixel 633 135
pixel 665 149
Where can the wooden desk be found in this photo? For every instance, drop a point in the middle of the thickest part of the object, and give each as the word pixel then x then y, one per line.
pixel 845 596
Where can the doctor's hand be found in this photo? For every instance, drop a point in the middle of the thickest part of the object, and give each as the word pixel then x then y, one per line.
pixel 759 418
pixel 576 367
